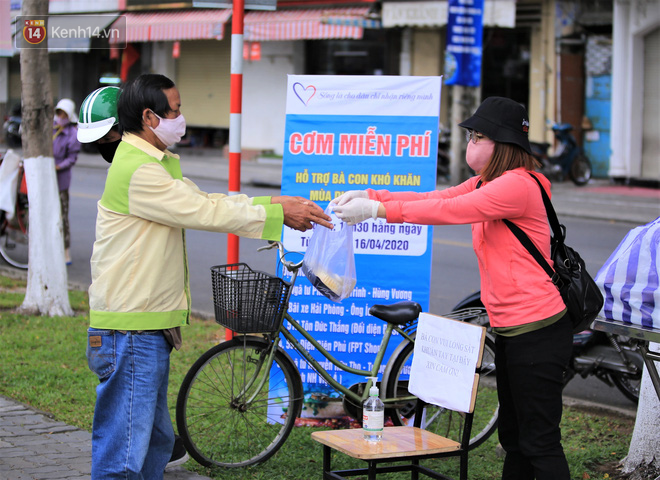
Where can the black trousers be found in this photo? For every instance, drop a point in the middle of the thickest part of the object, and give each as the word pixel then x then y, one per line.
pixel 530 369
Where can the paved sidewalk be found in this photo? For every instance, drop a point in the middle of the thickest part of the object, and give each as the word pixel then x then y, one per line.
pixel 33 446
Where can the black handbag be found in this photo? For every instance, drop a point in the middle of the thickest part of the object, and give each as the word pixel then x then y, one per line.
pixel 580 293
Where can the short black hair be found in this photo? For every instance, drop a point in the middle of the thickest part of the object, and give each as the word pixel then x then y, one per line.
pixel 146 91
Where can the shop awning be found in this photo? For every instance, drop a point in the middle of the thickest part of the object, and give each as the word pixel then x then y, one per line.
pixel 497 13
pixel 309 24
pixel 198 24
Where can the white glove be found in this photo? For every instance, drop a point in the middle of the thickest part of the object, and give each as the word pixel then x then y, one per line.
pixel 350 195
pixel 357 210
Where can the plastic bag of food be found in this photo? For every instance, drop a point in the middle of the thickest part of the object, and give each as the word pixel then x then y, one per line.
pixel 329 263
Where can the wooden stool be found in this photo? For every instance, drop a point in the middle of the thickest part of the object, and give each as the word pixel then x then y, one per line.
pixel 398 444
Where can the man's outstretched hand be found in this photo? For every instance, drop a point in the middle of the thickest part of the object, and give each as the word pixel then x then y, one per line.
pixel 300 213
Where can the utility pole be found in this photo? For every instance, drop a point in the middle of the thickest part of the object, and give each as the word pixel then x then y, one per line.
pixel 235 115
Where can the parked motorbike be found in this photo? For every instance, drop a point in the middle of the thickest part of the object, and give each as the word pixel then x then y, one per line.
pixel 615 360
pixel 568 160
pixel 12 128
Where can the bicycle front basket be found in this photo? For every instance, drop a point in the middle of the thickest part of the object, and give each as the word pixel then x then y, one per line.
pixel 246 300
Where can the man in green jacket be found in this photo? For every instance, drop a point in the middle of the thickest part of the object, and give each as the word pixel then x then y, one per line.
pixel 139 296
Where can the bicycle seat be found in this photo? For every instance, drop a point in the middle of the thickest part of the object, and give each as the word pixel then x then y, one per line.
pixel 397 313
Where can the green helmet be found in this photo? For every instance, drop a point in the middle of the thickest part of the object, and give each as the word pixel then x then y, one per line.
pixel 98 114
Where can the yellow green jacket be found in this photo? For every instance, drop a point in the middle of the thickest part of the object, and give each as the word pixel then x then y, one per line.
pixel 139 265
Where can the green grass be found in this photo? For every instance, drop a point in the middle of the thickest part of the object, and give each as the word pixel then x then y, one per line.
pixel 43 364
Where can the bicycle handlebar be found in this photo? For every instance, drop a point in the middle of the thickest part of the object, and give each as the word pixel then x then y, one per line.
pixel 291 266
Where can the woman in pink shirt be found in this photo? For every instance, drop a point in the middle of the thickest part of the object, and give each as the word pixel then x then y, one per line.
pixel 534 338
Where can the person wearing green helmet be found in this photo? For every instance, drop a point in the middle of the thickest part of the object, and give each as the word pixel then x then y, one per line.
pixel 99 122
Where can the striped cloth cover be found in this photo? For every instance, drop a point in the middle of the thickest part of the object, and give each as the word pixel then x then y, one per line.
pixel 629 278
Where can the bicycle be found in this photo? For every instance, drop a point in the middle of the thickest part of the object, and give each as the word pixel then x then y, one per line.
pixel 14 238
pixel 240 400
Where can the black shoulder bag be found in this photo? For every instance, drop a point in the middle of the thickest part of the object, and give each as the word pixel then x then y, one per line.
pixel 580 293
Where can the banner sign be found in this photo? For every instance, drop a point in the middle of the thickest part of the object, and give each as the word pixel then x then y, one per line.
pixel 353 133
pixel 464 42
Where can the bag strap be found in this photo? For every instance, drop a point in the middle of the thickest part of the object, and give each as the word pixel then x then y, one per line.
pixel 558 232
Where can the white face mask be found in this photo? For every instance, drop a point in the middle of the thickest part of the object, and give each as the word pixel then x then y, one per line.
pixel 170 130
pixel 478 154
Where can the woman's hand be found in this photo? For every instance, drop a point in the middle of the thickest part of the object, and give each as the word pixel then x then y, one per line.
pixel 346 197
pixel 357 210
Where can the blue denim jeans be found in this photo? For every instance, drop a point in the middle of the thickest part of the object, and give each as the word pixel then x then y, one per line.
pixel 132 434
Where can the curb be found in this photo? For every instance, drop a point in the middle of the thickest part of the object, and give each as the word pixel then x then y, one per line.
pixel 596 408
pixel 601 199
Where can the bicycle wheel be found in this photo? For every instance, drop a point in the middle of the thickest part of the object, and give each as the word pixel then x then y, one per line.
pixel 438 420
pixel 224 418
pixel 14 238
pixel 580 172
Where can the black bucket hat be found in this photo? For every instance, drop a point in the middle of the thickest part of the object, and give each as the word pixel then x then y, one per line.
pixel 503 120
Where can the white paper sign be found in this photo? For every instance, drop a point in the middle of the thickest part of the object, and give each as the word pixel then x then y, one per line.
pixel 444 361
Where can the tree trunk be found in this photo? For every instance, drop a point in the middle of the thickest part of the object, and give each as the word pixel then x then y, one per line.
pixel 644 452
pixel 47 292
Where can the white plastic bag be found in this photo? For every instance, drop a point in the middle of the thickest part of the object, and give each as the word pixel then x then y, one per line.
pixel 629 278
pixel 9 182
pixel 329 262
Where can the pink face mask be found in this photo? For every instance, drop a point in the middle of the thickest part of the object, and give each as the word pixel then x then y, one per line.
pixel 170 130
pixel 478 154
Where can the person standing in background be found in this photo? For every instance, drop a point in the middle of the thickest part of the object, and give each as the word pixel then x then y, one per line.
pixel 65 151
pixel 99 122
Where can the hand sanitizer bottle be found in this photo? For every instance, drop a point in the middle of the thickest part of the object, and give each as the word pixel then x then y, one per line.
pixel 373 415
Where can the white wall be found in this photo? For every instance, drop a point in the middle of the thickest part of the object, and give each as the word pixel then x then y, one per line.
pixel 632 20
pixel 264 94
pixel 162 61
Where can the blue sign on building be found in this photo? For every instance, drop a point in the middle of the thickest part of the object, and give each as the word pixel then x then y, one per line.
pixel 464 42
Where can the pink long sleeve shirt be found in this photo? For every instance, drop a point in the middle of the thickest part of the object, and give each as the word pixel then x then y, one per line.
pixel 514 289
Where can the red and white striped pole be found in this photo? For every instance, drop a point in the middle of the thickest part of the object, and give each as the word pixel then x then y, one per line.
pixel 235 113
